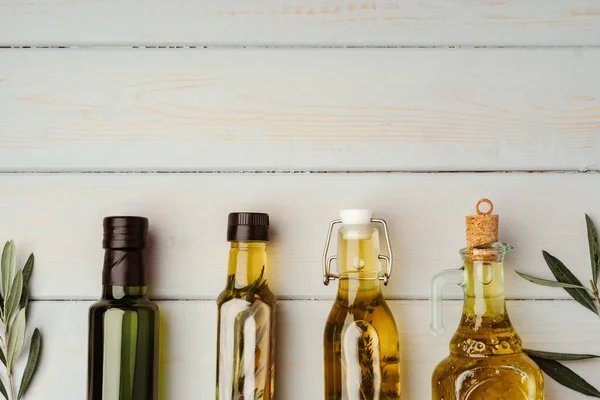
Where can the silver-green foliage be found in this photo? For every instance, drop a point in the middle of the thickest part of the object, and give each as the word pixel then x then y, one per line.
pixel 14 301
pixel 587 297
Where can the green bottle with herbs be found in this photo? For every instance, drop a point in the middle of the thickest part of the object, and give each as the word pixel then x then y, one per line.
pixel 361 350
pixel 245 338
pixel 124 324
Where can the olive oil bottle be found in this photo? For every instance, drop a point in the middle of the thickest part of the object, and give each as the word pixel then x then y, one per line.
pixel 361 350
pixel 245 338
pixel 486 356
pixel 124 324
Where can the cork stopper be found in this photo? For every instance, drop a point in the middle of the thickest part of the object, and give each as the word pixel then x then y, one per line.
pixel 482 229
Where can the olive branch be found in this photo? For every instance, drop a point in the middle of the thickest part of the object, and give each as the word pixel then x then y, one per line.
pixel 587 297
pixel 14 300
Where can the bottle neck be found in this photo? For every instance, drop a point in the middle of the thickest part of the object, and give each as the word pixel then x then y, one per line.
pixel 485 328
pixel 358 261
pixel 484 292
pixel 124 274
pixel 247 263
pixel 121 292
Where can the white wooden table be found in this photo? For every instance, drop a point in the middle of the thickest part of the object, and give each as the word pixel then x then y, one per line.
pixel 175 109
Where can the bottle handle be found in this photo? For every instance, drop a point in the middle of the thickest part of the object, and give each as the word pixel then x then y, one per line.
pixel 436 303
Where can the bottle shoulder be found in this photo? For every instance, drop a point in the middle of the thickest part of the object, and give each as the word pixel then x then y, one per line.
pixel 143 304
pixel 361 306
pixel 264 295
pixel 485 338
pixel 374 312
pixel 454 366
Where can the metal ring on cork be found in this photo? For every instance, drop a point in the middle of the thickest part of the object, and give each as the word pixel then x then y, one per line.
pixel 488 202
pixel 482 228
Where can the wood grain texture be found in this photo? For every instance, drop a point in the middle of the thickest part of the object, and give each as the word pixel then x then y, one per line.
pixel 294 22
pixel 188 346
pixel 329 109
pixel 59 218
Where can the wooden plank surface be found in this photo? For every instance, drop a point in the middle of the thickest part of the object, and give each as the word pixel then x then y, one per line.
pixel 188 361
pixel 328 109
pixel 294 22
pixel 59 218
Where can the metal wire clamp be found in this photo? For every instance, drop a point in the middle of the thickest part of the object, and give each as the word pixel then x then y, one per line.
pixel 328 276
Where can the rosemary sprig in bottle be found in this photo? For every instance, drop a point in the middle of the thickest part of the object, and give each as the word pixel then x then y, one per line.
pixel 256 312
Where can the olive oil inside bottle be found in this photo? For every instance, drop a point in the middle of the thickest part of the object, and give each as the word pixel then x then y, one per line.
pixel 362 360
pixel 245 337
pixel 124 325
pixel 486 359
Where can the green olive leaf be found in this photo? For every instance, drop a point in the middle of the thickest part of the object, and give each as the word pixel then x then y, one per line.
pixel 24 298
pixel 2 357
pixel 16 338
pixel 566 376
pixel 3 390
pixel 9 265
pixel 14 295
pixel 548 355
pixel 547 282
pixel 594 246
pixel 32 362
pixel 28 268
pixel 564 275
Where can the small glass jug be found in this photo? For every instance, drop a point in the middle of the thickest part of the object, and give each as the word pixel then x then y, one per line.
pixel 486 355
pixel 361 348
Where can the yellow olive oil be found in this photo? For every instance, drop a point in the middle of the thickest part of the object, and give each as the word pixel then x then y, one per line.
pixel 486 360
pixel 245 338
pixel 361 351
pixel 486 356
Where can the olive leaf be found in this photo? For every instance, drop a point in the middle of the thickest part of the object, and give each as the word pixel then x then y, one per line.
pixel 548 355
pixel 12 300
pixel 565 376
pixel 594 246
pixel 27 269
pixel 548 361
pixel 3 390
pixel 9 264
pixel 546 282
pixel 24 298
pixel 32 362
pixel 564 275
pixel 13 307
pixel 16 338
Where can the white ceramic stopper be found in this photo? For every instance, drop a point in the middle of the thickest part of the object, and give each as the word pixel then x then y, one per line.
pixel 356 216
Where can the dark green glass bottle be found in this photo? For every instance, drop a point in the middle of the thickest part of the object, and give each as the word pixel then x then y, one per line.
pixel 124 324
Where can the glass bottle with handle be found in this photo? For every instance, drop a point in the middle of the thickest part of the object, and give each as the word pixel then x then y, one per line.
pixel 361 350
pixel 486 356
pixel 245 338
pixel 124 324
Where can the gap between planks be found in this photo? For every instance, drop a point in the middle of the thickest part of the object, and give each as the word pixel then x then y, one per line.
pixel 242 46
pixel 584 170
